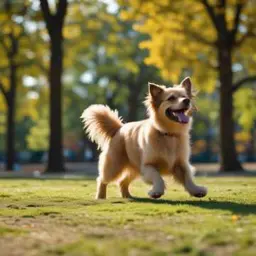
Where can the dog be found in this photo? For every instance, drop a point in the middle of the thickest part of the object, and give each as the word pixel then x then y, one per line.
pixel 151 148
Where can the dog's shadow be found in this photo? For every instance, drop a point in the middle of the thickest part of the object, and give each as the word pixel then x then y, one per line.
pixel 234 207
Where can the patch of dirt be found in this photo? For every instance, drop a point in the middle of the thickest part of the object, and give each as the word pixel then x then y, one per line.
pixel 13 206
pixel 42 234
pixel 34 205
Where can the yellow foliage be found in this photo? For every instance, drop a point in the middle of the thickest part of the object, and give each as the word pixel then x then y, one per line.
pixel 6 29
pixel 240 148
pixel 180 32
pixel 198 146
pixel 245 105
pixel 2 103
pixel 5 82
pixel 94 24
pixel 28 108
pixel 72 32
pixel 38 137
pixel 3 17
pixel 243 136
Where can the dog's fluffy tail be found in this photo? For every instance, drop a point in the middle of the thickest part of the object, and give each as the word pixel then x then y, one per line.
pixel 101 123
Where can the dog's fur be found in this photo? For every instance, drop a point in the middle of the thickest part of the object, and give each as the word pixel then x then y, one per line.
pixel 151 148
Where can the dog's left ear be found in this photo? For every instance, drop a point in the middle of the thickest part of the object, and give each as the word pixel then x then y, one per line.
pixel 187 84
pixel 154 89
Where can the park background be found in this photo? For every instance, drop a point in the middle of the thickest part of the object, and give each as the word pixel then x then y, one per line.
pixel 58 57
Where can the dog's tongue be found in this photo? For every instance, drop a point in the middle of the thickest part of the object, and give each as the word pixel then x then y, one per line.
pixel 182 117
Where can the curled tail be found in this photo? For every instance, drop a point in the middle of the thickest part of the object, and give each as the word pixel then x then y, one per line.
pixel 101 123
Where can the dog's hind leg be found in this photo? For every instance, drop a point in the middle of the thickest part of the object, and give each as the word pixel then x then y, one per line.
pixel 101 189
pixel 125 182
pixel 110 168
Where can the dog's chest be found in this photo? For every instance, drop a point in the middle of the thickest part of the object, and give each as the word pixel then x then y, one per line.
pixel 171 146
pixel 168 153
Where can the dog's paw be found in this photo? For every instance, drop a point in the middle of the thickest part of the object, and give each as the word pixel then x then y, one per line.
pixel 155 194
pixel 199 192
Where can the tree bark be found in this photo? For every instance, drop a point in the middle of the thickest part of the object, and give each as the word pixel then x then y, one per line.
pixel 54 24
pixel 10 138
pixel 252 145
pixel 229 159
pixel 135 90
pixel 55 156
pixel 132 104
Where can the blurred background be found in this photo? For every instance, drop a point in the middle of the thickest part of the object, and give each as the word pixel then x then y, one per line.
pixel 58 57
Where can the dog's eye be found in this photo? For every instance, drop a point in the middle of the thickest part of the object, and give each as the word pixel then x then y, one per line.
pixel 172 98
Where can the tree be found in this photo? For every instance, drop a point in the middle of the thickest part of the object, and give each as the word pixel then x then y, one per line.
pixel 11 37
pixel 205 37
pixel 107 66
pixel 124 86
pixel 54 24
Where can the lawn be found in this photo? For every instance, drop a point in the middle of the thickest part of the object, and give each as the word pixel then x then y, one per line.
pixel 61 217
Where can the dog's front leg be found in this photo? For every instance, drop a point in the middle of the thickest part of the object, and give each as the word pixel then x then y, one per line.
pixel 152 176
pixel 183 174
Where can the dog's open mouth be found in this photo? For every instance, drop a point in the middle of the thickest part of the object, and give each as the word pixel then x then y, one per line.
pixel 177 115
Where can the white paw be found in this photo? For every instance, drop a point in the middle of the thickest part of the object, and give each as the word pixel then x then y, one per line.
pixel 155 194
pixel 199 192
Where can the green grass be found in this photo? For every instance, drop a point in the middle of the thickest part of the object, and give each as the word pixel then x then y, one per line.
pixel 61 217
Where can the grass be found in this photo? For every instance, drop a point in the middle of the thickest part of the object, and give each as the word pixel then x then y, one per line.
pixel 60 217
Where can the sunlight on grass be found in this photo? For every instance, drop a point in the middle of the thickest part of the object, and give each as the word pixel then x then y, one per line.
pixel 61 217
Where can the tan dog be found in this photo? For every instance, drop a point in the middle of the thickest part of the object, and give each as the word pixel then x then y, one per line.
pixel 153 147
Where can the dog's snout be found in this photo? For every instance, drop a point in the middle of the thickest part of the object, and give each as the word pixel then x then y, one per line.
pixel 186 101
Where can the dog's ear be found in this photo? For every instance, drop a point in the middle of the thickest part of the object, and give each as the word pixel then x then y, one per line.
pixel 154 89
pixel 187 84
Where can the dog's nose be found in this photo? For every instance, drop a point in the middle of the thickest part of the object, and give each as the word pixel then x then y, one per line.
pixel 186 101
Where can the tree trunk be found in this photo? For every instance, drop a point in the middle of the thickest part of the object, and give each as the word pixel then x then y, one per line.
pixel 251 145
pixel 55 157
pixel 229 160
pixel 132 104
pixel 10 138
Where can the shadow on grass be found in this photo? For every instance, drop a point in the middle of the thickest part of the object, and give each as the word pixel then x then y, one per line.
pixel 233 207
pixel 221 174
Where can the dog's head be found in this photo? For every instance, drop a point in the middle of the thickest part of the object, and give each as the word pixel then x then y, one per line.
pixel 173 104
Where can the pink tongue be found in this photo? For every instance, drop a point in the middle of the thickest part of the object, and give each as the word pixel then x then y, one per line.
pixel 182 117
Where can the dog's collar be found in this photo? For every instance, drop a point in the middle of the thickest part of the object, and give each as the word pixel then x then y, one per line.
pixel 170 134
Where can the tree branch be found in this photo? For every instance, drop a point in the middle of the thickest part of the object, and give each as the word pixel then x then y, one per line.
pixel 239 9
pixel 4 92
pixel 243 81
pixel 62 9
pixel 45 9
pixel 53 20
pixel 46 13
pixel 211 13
